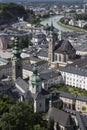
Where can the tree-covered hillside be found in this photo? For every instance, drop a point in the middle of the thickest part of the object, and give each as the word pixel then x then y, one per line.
pixel 10 12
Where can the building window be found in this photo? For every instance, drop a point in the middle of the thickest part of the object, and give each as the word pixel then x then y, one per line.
pixel 59 57
pixel 33 86
pixel 55 57
pixel 40 104
pixel 64 58
pixel 78 108
pixel 19 67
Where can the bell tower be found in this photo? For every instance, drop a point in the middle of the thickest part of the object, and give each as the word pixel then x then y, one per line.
pixel 16 60
pixel 51 41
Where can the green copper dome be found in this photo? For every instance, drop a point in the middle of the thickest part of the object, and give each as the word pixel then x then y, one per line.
pixel 35 78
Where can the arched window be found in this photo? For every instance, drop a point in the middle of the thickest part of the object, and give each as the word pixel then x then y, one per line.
pixel 64 58
pixel 55 57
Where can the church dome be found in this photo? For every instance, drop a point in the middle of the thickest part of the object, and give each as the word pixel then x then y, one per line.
pixel 35 79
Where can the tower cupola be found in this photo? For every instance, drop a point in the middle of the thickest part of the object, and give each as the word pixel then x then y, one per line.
pixel 35 84
pixel 35 78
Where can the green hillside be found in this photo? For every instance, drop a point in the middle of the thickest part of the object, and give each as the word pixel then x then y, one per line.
pixel 10 12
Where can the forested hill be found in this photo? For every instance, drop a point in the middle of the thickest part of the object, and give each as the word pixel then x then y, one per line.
pixel 9 12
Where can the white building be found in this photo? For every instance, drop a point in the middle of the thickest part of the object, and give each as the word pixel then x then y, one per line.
pixel 82 23
pixel 74 76
pixel 72 22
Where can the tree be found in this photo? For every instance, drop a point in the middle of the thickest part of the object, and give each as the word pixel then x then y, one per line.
pixel 38 127
pixel 10 12
pixel 82 16
pixel 24 42
pixel 51 124
pixel 18 115
pixel 85 26
pixel 84 108
pixel 5 103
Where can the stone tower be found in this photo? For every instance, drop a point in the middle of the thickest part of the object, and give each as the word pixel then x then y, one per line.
pixel 51 41
pixel 16 60
pixel 35 84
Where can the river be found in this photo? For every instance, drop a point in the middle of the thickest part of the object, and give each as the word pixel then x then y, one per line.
pixel 54 20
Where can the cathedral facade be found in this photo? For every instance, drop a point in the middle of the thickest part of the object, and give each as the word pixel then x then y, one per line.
pixel 60 51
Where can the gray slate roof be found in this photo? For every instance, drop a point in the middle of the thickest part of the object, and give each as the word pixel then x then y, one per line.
pixel 27 67
pixel 49 75
pixel 14 93
pixel 81 63
pixel 74 70
pixel 22 84
pixel 33 58
pixel 84 119
pixel 81 124
pixel 43 53
pixel 71 96
pixel 81 98
pixel 59 116
pixel 67 95
pixel 42 65
pixel 64 46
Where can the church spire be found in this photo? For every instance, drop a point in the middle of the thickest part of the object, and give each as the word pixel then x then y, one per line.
pixel 16 51
pixel 16 60
pixel 51 40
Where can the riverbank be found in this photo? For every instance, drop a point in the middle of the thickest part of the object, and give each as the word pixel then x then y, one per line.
pixel 54 19
pixel 70 27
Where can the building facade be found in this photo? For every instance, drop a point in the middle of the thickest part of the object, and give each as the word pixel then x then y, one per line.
pixel 74 76
pixel 60 50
